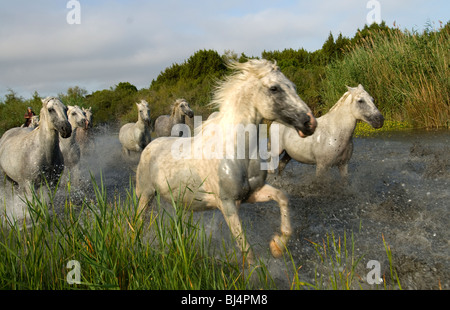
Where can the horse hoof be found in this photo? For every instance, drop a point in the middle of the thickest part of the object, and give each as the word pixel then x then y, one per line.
pixel 276 246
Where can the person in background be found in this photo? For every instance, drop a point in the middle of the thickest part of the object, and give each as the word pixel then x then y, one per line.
pixel 28 117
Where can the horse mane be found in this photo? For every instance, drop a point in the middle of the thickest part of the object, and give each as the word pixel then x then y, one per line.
pixel 240 73
pixel 175 105
pixel 48 99
pixel 340 101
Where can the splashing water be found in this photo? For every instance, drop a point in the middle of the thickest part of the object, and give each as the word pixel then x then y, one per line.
pixel 398 188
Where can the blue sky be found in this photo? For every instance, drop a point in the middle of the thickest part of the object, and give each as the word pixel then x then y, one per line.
pixel 133 41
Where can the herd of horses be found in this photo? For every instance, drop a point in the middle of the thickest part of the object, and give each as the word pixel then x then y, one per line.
pixel 256 90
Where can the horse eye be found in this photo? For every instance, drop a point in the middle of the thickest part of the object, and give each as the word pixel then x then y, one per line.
pixel 51 110
pixel 360 100
pixel 273 89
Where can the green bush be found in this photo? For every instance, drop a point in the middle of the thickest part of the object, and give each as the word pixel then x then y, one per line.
pixel 406 73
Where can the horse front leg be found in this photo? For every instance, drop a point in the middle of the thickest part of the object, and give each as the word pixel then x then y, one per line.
pixel 268 193
pixel 229 210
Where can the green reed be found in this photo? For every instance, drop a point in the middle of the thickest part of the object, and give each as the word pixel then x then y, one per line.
pixel 115 247
pixel 406 73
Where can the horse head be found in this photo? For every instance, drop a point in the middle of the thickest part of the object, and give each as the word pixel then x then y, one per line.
pixel 277 98
pixel 183 105
pixel 76 117
pixel 363 107
pixel 88 115
pixel 54 114
pixel 144 111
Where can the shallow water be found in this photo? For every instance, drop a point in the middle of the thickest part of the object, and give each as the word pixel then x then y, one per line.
pixel 398 188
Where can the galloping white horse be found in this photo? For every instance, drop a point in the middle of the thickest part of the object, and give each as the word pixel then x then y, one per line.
pixel 70 147
pixel 332 144
pixel 135 136
pixel 27 155
pixel 165 123
pixel 255 91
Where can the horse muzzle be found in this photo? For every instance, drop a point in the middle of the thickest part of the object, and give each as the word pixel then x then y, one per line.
pixel 377 121
pixel 309 126
pixel 65 131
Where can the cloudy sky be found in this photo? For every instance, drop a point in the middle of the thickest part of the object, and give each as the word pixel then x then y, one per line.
pixel 133 41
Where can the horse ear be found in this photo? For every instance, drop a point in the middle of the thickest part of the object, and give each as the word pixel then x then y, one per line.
pixel 351 90
pixel 360 87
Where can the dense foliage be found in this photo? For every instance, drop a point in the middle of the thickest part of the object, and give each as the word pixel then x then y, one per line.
pixel 406 72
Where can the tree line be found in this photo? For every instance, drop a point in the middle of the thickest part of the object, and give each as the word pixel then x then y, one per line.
pixel 195 78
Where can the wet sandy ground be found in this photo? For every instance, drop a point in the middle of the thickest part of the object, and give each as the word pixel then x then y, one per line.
pixel 399 188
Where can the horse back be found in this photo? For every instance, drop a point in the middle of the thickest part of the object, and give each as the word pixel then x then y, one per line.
pixel 194 180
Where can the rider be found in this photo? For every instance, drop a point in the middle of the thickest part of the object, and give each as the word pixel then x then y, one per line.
pixel 28 117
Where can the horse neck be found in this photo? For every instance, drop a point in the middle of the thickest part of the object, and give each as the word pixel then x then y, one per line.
pixel 341 117
pixel 48 139
pixel 178 117
pixel 240 110
pixel 73 135
pixel 237 110
pixel 141 123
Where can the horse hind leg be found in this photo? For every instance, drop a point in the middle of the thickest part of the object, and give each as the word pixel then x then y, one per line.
pixel 284 160
pixel 268 193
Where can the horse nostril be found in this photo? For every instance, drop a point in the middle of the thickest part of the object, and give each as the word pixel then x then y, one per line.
pixel 311 123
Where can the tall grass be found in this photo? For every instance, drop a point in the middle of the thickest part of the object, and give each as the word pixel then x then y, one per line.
pixel 116 249
pixel 406 72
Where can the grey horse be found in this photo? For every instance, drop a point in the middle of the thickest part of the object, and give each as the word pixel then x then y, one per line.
pixel 69 146
pixel 257 90
pixel 135 136
pixel 165 123
pixel 332 144
pixel 84 134
pixel 27 155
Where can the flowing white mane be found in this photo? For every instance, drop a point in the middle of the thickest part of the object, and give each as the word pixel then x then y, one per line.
pixel 224 97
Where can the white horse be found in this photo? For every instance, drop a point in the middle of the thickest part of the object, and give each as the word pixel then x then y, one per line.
pixel 165 123
pixel 84 136
pixel 213 115
pixel 332 144
pixel 255 91
pixel 70 147
pixel 135 136
pixel 26 155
